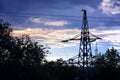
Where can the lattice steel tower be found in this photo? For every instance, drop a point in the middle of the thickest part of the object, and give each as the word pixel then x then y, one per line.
pixel 85 53
pixel 84 58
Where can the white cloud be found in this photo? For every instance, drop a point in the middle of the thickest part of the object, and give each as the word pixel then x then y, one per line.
pixel 56 23
pixel 109 36
pixel 49 22
pixel 110 6
pixel 35 20
pixel 53 37
pixel 49 36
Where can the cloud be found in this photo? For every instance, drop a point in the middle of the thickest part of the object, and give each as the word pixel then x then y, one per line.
pixel 53 37
pixel 111 37
pixel 56 23
pixel 49 37
pixel 43 3
pixel 110 6
pixel 48 22
pixel 35 20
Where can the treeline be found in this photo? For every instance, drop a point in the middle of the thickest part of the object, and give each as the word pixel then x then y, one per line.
pixel 105 67
pixel 23 59
pixel 20 57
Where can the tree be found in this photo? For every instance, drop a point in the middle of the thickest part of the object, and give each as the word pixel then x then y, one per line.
pixel 100 61
pixel 112 57
pixel 5 41
pixel 33 54
pixel 19 51
pixel 20 57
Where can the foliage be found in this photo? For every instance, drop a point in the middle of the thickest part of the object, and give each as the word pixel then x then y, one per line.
pixel 112 57
pixel 19 51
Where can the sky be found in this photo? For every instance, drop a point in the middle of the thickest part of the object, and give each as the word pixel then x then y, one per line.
pixel 50 21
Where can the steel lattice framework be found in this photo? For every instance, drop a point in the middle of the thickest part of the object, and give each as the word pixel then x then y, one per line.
pixel 84 58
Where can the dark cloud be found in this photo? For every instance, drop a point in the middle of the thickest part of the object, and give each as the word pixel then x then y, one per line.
pixel 56 7
pixel 23 4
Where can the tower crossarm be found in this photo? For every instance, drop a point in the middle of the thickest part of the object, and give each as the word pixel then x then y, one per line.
pixel 92 39
pixel 95 36
pixel 76 37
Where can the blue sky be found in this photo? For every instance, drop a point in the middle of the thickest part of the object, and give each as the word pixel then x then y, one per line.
pixel 51 21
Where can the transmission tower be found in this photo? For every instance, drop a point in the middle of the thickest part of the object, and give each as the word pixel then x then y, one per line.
pixel 96 49
pixel 84 57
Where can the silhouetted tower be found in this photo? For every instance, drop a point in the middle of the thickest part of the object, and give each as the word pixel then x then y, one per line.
pixel 96 49
pixel 85 53
pixel 84 58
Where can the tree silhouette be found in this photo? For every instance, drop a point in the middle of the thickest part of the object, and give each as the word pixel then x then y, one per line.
pixel 5 41
pixel 19 51
pixel 20 57
pixel 112 57
pixel 33 54
pixel 100 61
